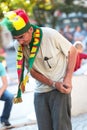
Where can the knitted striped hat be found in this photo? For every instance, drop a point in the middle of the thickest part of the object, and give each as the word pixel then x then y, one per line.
pixel 17 22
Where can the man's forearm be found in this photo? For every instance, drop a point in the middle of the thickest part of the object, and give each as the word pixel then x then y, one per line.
pixel 71 62
pixel 41 77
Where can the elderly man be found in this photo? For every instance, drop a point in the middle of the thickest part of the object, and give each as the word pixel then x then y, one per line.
pixel 50 59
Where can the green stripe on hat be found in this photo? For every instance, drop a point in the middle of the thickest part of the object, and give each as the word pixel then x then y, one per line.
pixel 14 32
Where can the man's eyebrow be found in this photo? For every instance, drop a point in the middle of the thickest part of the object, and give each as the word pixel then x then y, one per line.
pixel 18 37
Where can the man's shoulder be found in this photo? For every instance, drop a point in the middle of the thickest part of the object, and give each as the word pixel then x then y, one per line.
pixel 48 28
pixel 50 32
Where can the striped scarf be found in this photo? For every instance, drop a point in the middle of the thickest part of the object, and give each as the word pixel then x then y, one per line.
pixel 34 46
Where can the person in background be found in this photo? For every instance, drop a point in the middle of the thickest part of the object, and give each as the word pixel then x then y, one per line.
pixel 5 43
pixel 68 34
pixel 61 31
pixel 3 57
pixel 50 59
pixel 78 35
pixel 5 95
pixel 80 68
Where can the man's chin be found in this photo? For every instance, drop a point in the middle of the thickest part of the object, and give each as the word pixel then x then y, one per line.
pixel 25 44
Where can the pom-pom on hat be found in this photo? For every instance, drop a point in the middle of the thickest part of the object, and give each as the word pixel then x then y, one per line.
pixel 17 22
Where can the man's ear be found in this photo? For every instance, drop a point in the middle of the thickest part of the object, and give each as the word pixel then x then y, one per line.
pixel 30 29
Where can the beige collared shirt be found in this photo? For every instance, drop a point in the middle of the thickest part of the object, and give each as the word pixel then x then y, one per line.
pixel 51 59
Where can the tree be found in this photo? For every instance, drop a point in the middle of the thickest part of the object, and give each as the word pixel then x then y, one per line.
pixel 45 12
pixel 8 5
pixel 69 2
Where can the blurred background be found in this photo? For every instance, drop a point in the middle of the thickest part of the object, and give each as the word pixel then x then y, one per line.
pixel 52 13
pixel 49 12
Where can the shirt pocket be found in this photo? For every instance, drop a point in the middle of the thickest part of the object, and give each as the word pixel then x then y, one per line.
pixel 49 62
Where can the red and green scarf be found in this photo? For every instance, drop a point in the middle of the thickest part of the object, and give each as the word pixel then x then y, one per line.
pixel 34 46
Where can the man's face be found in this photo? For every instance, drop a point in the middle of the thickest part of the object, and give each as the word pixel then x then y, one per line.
pixel 25 38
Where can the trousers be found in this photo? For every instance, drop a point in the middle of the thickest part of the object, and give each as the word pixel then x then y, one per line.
pixel 53 110
pixel 8 98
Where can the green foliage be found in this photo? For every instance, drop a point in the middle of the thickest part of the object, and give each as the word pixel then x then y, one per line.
pixel 8 5
pixel 69 2
pixel 41 10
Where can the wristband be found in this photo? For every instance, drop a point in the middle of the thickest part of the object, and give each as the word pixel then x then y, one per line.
pixel 54 83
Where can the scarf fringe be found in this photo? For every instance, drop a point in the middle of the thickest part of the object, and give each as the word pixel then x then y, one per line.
pixel 22 88
pixel 17 100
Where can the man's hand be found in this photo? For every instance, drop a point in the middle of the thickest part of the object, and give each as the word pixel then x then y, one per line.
pixel 63 88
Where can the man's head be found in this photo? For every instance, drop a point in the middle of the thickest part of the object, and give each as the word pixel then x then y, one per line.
pixel 18 24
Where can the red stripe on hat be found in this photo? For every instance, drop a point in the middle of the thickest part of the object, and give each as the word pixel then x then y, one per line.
pixel 22 14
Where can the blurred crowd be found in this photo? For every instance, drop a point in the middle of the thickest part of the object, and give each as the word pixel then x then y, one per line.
pixel 78 34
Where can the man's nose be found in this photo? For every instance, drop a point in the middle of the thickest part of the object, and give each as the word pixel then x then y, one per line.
pixel 21 42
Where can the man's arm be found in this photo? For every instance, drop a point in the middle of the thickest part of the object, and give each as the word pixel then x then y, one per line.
pixel 70 68
pixel 71 62
pixel 41 77
pixel 47 81
pixel 66 85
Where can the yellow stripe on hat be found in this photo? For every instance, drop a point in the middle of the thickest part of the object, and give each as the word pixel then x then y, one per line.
pixel 16 20
pixel 18 23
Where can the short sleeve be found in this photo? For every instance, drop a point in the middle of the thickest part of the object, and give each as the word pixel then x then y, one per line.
pixel 2 70
pixel 64 44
